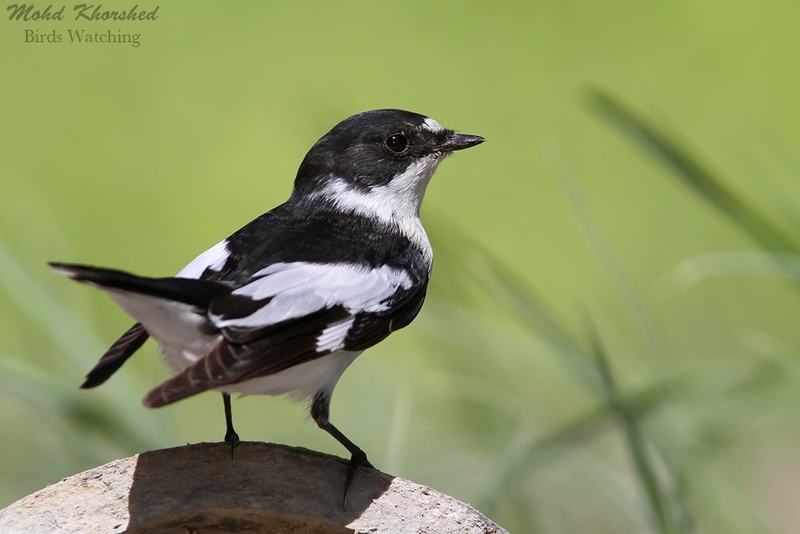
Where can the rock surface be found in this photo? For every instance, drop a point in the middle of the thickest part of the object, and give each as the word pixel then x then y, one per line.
pixel 265 488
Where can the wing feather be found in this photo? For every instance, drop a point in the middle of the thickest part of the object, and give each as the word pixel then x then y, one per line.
pixel 299 312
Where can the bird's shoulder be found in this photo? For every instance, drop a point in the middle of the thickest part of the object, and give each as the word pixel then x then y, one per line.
pixel 292 234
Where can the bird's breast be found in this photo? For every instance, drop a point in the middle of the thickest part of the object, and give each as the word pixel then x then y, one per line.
pixel 412 229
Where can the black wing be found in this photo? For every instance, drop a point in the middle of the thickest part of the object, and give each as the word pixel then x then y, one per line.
pixel 295 313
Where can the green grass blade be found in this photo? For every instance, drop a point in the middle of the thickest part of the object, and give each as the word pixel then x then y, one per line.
pixel 695 175
pixel 497 278
pixel 636 309
pixel 526 452
pixel 657 498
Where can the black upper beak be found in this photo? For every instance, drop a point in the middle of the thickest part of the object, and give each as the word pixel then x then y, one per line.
pixel 457 141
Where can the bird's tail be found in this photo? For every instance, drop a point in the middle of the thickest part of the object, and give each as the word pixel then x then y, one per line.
pixel 194 292
pixel 122 349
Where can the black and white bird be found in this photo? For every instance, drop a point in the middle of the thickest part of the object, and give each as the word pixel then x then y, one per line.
pixel 286 303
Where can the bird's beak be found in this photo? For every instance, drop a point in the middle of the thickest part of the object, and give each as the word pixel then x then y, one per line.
pixel 457 141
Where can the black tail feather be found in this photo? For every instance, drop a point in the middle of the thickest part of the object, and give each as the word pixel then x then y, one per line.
pixel 189 291
pixel 116 355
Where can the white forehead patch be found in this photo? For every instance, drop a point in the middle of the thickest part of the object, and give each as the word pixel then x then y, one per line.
pixel 432 125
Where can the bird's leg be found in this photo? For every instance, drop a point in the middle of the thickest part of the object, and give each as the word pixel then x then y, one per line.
pixel 230 434
pixel 320 409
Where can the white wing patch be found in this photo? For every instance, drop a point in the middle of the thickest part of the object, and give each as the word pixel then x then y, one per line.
pixel 332 338
pixel 298 289
pixel 213 258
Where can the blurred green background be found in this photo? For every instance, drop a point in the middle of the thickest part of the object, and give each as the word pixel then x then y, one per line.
pixel 602 348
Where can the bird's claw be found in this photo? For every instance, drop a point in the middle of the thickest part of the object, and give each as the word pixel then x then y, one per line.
pixel 232 438
pixel 357 460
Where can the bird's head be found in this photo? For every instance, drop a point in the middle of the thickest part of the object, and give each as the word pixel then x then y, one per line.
pixel 377 163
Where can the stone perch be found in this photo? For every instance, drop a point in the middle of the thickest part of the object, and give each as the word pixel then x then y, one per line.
pixel 266 488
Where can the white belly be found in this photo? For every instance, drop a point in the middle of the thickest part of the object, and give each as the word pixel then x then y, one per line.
pixel 178 331
pixel 302 381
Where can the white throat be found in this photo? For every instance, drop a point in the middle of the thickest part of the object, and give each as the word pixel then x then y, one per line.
pixel 401 198
pixel 396 203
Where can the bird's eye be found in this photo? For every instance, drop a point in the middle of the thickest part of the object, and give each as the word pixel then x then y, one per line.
pixel 396 142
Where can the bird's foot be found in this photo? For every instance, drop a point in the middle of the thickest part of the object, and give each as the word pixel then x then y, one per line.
pixel 358 459
pixel 233 438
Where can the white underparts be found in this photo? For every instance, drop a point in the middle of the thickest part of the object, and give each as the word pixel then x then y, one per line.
pixel 302 381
